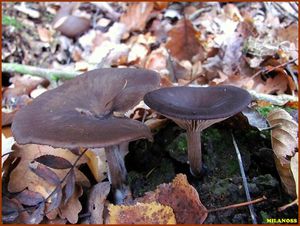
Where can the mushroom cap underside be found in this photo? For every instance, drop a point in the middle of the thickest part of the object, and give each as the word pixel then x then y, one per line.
pixel 79 113
pixel 198 103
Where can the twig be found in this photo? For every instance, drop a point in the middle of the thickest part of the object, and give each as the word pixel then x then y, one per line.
pixel 251 209
pixel 65 177
pixel 238 205
pixel 282 208
pixel 275 100
pixel 274 68
pixel 46 73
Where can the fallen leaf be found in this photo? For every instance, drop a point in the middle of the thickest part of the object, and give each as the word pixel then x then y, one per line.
pixel 29 198
pixel 10 210
pixel 284 140
pixel 70 186
pixel 53 161
pixel 44 34
pixel 23 85
pixel 278 85
pixel 97 163
pixel 295 171
pixel 285 136
pixel 96 201
pixel 182 198
pixel 137 15
pixel 255 119
pixel 72 208
pixel 22 177
pixel 6 144
pixel 184 41
pixel 141 213
pixel 37 216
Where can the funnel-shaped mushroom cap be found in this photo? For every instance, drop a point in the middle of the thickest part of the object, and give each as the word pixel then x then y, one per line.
pixel 79 113
pixel 203 103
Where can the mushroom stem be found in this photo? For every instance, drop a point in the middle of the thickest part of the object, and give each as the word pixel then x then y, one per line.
pixel 117 173
pixel 194 152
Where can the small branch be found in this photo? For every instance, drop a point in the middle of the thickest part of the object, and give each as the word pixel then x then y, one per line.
pixel 245 183
pixel 282 208
pixel 46 73
pixel 272 69
pixel 275 100
pixel 238 205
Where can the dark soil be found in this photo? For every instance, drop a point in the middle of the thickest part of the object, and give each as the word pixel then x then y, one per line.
pixel 150 164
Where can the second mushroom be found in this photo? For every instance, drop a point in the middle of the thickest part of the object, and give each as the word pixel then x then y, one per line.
pixel 196 108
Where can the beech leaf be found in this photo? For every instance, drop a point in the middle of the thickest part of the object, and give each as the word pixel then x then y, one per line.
pixel 182 198
pixel 141 213
pixel 284 140
pixel 137 15
pixel 54 162
pixel 184 42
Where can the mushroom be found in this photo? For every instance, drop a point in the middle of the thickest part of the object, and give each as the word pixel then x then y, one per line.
pixel 195 109
pixel 82 113
pixel 68 24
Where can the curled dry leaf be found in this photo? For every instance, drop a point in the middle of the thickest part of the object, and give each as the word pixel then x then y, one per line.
pixel 96 202
pixel 184 43
pixel 285 136
pixel 284 142
pixel 22 177
pixel 295 171
pixel 182 198
pixel 141 213
pixel 137 15
pixel 72 208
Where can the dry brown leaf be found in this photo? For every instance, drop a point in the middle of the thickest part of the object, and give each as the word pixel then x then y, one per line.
pixel 284 143
pixel 278 84
pixel 72 208
pixel 184 41
pixel 182 198
pixel 22 177
pixel 137 15
pixel 157 60
pixel 284 137
pixel 96 202
pixel 141 213
pixel 295 171
pixel 44 34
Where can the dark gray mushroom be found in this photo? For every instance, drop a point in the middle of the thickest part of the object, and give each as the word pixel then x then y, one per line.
pixel 81 113
pixel 68 24
pixel 195 109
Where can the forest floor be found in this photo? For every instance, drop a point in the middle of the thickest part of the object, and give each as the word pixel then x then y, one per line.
pixel 249 45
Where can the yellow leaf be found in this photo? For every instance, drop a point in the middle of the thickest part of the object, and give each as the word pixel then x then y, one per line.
pixel 141 213
pixel 97 163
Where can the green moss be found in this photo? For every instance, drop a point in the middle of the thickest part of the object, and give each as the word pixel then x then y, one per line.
pixel 9 21
pixel 264 111
pixel 178 148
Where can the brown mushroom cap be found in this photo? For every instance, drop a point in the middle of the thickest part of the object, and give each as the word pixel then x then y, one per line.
pixel 203 103
pixel 79 113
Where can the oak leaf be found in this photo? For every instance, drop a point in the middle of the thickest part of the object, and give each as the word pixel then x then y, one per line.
pixel 22 177
pixel 184 41
pixel 141 213
pixel 72 208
